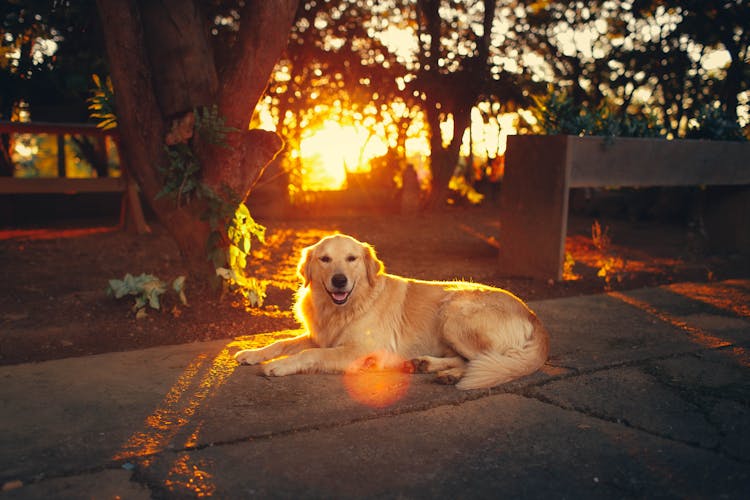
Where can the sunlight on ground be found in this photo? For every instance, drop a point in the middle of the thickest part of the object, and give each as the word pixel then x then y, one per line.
pixel 722 296
pixel 582 250
pixel 179 406
pixel 172 425
pixel 696 335
pixel 489 239
pixel 186 474
pixel 54 234
pixel 265 264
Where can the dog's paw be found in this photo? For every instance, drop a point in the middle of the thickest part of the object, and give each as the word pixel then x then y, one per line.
pixel 446 378
pixel 417 365
pixel 368 363
pixel 248 357
pixel 278 368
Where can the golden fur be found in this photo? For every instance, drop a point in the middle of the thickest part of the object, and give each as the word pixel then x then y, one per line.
pixel 357 317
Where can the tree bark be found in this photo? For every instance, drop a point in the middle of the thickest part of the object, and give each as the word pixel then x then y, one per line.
pixel 162 68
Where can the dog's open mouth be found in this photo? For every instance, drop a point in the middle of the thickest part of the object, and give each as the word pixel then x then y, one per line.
pixel 340 297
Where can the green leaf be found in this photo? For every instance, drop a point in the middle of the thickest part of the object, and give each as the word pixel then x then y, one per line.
pixel 225 273
pixel 140 302
pixel 178 285
pixel 118 288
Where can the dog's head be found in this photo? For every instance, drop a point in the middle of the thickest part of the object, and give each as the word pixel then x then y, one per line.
pixel 339 264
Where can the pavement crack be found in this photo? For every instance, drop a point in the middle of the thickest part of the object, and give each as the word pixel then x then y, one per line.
pixel 531 392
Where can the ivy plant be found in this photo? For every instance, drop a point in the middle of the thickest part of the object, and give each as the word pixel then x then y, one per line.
pixel 182 171
pixel 232 227
pixel 233 230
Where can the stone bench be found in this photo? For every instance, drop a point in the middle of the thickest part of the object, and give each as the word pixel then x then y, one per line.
pixel 131 213
pixel 541 170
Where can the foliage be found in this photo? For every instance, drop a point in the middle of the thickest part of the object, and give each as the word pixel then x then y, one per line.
pixel 713 123
pixel 610 266
pixel 233 229
pixel 102 103
pixel 556 113
pixel 147 290
pixel 48 51
pixel 182 172
pixel 568 265
pixel 210 126
pixel 652 53
pixel 465 190
pixel 35 155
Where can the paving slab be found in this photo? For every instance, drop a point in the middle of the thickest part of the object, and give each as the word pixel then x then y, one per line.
pixel 110 483
pixel 504 446
pixel 647 393
pixel 635 398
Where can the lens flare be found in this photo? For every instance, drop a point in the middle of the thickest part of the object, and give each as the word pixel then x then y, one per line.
pixel 377 380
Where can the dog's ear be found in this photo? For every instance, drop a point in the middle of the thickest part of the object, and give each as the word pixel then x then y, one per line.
pixel 303 267
pixel 373 265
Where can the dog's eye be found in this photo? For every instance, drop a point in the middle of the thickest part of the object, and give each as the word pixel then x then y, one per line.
pixel 325 258
pixel 351 258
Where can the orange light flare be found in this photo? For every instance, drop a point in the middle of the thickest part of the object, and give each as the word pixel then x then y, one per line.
pixel 377 380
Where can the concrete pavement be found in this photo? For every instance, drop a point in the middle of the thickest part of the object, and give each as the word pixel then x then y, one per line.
pixel 646 394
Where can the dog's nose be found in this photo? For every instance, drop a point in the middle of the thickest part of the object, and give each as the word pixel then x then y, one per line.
pixel 338 280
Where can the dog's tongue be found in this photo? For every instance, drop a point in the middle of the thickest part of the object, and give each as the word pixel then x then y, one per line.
pixel 339 295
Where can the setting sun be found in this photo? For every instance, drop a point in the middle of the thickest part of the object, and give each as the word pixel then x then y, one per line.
pixel 332 150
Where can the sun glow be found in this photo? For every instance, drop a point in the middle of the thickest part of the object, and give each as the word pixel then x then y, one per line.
pixel 333 150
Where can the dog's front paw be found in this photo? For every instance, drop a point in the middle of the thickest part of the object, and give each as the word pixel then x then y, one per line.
pixel 278 368
pixel 249 357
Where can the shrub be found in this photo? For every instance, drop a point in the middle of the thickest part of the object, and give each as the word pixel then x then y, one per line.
pixel 713 123
pixel 557 113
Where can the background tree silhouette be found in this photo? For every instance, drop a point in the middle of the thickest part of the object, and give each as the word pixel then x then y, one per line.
pixel 641 57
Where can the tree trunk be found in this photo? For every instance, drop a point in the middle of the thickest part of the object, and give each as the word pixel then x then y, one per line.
pixel 162 68
pixel 443 160
pixel 453 94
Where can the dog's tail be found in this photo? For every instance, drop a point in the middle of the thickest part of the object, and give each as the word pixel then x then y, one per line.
pixel 494 368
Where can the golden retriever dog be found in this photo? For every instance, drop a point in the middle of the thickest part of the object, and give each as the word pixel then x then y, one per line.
pixel 358 317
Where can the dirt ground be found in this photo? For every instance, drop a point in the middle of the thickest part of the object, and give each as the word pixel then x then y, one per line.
pixel 53 302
